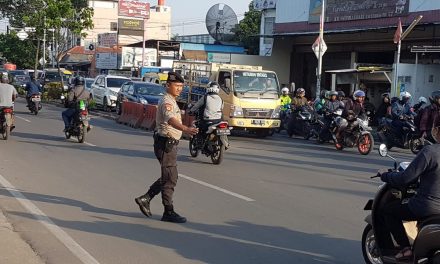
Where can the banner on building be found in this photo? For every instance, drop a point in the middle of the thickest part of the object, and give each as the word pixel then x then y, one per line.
pixel 107 39
pixel 219 57
pixel 134 8
pixel 132 57
pixel 132 27
pixel 107 60
pixel 347 10
pixel 264 4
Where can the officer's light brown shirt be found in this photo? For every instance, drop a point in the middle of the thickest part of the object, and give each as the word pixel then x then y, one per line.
pixel 167 109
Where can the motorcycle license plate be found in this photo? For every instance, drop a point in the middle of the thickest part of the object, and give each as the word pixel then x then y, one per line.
pixel 257 122
pixel 223 132
pixel 36 99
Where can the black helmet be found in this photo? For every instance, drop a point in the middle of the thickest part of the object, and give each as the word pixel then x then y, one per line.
pixel 79 80
pixel 435 95
pixel 341 94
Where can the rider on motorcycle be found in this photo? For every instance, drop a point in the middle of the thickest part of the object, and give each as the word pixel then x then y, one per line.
pixel 329 108
pixel 212 106
pixel 8 94
pixel 78 93
pixel 430 116
pixel 286 101
pixel 420 105
pixel 352 110
pixel 425 168
pixel 300 100
pixel 32 87
pixel 401 111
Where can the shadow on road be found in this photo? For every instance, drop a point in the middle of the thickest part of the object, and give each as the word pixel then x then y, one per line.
pixel 233 242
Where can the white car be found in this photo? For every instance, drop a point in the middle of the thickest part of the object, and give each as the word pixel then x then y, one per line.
pixel 105 90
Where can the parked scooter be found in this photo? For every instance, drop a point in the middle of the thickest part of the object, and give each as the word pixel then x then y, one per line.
pixel 425 235
pixel 392 136
pixel 6 121
pixel 35 104
pixel 213 143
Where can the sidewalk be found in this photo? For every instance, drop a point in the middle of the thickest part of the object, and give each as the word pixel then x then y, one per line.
pixel 13 249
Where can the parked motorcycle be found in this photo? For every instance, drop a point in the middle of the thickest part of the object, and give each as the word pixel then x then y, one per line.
pixel 213 143
pixel 6 121
pixel 392 136
pixel 80 124
pixel 424 235
pixel 357 133
pixel 35 104
pixel 300 122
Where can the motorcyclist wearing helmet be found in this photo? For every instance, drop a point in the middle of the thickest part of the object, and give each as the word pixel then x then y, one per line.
pixel 430 116
pixel 78 93
pixel 352 109
pixel 300 100
pixel 384 110
pixel 422 102
pixel 342 98
pixel 210 107
pixel 286 101
pixel 319 102
pixel 32 87
pixel 330 106
pixel 401 111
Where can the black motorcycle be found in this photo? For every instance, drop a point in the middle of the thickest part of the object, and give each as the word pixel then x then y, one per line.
pixel 392 136
pixel 35 104
pixel 326 131
pixel 80 125
pixel 6 120
pixel 213 143
pixel 425 234
pixel 300 122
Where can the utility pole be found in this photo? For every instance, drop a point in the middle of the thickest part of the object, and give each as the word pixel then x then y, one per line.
pixel 319 47
pixel 44 43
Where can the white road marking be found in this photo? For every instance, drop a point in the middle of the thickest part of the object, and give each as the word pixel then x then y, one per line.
pixel 89 144
pixel 68 241
pixel 22 118
pixel 247 199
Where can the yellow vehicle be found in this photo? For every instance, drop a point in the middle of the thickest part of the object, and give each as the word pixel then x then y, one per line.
pixel 250 94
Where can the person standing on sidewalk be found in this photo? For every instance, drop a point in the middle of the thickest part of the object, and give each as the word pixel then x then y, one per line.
pixel 168 132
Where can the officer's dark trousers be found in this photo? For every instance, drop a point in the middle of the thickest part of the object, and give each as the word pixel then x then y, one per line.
pixel 168 178
pixel 390 221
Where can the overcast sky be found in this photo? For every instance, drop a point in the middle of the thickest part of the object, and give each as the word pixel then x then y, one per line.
pixel 188 16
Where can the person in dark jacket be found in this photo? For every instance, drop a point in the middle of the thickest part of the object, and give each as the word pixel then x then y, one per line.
pixel 32 87
pixel 330 106
pixel 401 111
pixel 426 169
pixel 384 110
pixel 78 93
pixel 352 110
pixel 429 117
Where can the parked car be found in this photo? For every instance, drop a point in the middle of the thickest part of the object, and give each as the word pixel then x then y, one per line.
pixel 18 72
pixel 139 92
pixel 20 81
pixel 105 90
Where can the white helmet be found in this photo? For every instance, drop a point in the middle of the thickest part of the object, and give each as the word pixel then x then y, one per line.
pixel 404 95
pixel 423 99
pixel 213 87
pixel 285 90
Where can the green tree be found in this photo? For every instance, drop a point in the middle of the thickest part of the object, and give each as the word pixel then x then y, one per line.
pixel 247 32
pixel 17 51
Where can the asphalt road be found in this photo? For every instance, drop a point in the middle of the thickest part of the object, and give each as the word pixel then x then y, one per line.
pixel 274 200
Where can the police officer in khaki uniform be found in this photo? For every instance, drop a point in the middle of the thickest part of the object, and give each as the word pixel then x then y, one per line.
pixel 169 130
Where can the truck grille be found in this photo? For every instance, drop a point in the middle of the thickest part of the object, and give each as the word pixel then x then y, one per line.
pixel 257 113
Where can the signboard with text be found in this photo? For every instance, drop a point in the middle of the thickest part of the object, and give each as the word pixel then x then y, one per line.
pixel 264 4
pixel 219 57
pixel 107 39
pixel 347 10
pixel 134 27
pixel 134 8
pixel 106 60
pixel 132 57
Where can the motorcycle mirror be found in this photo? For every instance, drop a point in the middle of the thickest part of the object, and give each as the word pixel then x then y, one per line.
pixel 383 150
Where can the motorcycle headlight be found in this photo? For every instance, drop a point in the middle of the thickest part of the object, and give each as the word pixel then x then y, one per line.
pixel 276 112
pixel 143 101
pixel 236 111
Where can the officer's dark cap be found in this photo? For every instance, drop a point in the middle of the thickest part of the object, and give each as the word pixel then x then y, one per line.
pixel 174 77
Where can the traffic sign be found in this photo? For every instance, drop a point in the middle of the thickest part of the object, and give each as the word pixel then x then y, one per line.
pixel 319 42
pixel 22 35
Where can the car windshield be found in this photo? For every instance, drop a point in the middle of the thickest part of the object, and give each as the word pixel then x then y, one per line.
pixel 248 81
pixel 53 76
pixel 22 78
pixel 89 83
pixel 116 82
pixel 14 73
pixel 146 89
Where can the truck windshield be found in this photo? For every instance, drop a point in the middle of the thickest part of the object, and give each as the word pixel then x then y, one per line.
pixel 261 82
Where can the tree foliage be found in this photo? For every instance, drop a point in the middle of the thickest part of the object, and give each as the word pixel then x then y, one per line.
pixel 17 51
pixel 247 31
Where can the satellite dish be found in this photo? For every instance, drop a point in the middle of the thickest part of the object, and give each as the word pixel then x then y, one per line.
pixel 220 22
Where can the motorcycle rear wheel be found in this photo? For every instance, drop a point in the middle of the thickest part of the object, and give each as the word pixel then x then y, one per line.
pixel 6 132
pixel 217 155
pixel 369 245
pixel 193 151
pixel 365 144
pixel 82 134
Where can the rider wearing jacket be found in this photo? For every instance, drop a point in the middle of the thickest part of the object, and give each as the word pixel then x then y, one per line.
pixel 401 111
pixel 32 88
pixel 352 110
pixel 286 101
pixel 425 168
pixel 300 100
pixel 75 95
pixel 211 105
pixel 430 116
pixel 330 106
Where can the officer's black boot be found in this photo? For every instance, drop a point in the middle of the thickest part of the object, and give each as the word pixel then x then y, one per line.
pixel 170 216
pixel 144 204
